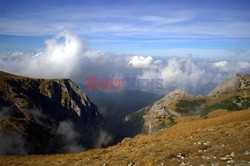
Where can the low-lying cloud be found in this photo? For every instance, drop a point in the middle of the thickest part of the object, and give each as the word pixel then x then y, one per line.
pixel 11 143
pixel 71 137
pixel 65 56
pixel 104 138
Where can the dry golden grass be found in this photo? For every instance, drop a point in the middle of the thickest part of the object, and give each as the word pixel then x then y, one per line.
pixel 199 142
pixel 184 119
pixel 216 113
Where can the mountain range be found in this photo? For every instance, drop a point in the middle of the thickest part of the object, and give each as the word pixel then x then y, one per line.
pixel 41 116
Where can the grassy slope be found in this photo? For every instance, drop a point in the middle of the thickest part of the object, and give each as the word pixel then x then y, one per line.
pixel 227 133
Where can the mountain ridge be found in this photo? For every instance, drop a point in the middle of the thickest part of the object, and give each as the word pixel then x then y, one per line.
pixel 232 94
pixel 50 104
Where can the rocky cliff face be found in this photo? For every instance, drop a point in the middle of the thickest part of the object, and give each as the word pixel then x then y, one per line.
pixel 149 117
pixel 54 110
pixel 233 94
pixel 237 83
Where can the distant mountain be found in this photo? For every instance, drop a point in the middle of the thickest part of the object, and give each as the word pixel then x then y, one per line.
pixel 233 94
pixel 46 116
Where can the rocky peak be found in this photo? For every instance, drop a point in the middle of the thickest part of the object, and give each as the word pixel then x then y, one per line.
pixel 236 83
pixel 161 106
pixel 50 95
pixel 174 95
pixel 152 118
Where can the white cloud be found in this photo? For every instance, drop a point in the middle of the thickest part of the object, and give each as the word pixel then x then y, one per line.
pixel 181 73
pixel 174 17
pixel 140 61
pixel 63 47
pixel 59 59
pixel 221 65
pixel 144 62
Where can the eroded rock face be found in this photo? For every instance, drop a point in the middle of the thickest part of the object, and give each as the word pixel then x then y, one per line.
pixel 66 94
pixel 155 119
pixel 43 105
pixel 158 115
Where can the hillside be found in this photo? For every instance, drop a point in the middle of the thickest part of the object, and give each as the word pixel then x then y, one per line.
pixel 220 140
pixel 233 94
pixel 40 116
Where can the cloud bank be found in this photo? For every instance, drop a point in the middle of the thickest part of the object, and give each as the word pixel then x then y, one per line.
pixel 65 56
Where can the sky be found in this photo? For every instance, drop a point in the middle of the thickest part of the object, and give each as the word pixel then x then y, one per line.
pixel 203 29
pixel 192 45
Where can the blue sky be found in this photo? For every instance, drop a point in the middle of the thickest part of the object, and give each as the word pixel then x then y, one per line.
pixel 213 28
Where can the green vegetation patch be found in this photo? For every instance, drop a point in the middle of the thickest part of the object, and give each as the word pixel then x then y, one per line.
pixel 172 122
pixel 232 104
pixel 185 106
